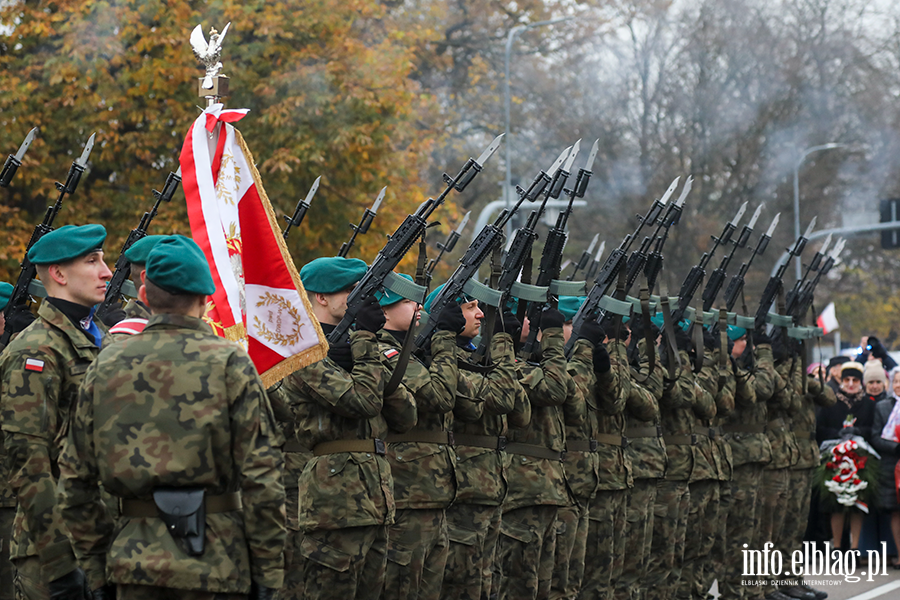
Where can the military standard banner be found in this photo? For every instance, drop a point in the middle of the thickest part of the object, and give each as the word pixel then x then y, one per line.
pixel 259 298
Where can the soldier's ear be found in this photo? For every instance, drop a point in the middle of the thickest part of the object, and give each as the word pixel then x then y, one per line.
pixel 322 299
pixel 142 291
pixel 57 274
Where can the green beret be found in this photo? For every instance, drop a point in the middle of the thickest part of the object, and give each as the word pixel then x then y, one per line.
pixel 177 265
pixel 430 299
pixel 735 333
pixel 67 243
pixel 140 250
pixel 569 305
pixel 657 320
pixel 6 290
pixel 386 297
pixel 331 274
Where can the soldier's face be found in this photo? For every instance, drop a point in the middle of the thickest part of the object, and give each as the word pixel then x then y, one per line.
pixel 398 315
pixel 330 308
pixel 473 317
pixel 83 279
pixel 739 347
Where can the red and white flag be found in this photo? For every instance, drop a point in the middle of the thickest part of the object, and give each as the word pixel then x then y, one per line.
pixel 827 320
pixel 259 299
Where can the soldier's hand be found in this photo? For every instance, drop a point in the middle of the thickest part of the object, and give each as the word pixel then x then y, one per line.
pixel 710 340
pixel 370 316
pixel 19 318
pixel 72 586
pixel 340 353
pixel 452 319
pixel 760 337
pixel 261 592
pixel 507 323
pixel 593 332
pixel 550 318
pixel 602 364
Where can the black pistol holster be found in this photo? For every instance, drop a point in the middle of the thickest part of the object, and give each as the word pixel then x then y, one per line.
pixel 183 510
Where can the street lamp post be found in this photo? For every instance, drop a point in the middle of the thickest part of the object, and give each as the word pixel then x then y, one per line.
pixel 513 33
pixel 797 165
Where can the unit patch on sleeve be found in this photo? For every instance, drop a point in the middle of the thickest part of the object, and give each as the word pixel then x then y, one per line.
pixel 391 353
pixel 34 364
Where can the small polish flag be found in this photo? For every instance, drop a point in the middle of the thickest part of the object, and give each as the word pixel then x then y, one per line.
pixel 827 320
pixel 391 353
pixel 34 364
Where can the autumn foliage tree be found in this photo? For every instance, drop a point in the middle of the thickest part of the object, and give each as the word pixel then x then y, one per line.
pixel 326 82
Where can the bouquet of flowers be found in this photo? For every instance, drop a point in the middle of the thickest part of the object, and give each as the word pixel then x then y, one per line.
pixel 848 475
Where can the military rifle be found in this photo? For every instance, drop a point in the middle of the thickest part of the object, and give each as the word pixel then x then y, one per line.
pixel 592 268
pixel 609 273
pixel 122 272
pixel 804 299
pixel 736 285
pixel 774 284
pixel 717 277
pixel 547 184
pixel 446 246
pixel 488 240
pixel 584 261
pixel 301 209
pixel 14 161
pixel 792 297
pixel 20 294
pixel 692 282
pixel 548 270
pixel 403 239
pixel 364 223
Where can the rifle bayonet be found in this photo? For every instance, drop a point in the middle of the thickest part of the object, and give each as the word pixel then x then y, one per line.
pixel 13 162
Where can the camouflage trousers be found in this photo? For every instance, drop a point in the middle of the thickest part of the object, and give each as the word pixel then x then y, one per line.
pixel 416 555
pixel 604 557
pixel 702 521
pixel 670 515
pixel 742 525
pixel 473 530
pixel 340 563
pixel 713 568
pixel 797 518
pixel 571 544
pixel 638 539
pixel 146 592
pixel 7 570
pixel 28 581
pixel 526 553
pixel 773 503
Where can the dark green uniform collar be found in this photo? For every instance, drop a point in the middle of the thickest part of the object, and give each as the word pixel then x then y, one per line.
pixel 170 321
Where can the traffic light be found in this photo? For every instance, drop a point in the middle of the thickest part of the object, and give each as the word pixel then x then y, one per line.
pixel 890 212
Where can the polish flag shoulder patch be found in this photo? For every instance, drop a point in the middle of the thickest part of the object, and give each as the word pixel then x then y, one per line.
pixel 391 353
pixel 34 364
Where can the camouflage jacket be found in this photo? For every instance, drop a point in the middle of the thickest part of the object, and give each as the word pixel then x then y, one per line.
pixel 40 372
pixel 677 417
pixel 646 451
pixel 582 468
pixel 176 406
pixel 707 458
pixel 533 480
pixel 423 472
pixel 345 489
pixel 803 416
pixel 745 427
pixel 784 446
pixel 136 310
pixel 482 403
pixel 612 390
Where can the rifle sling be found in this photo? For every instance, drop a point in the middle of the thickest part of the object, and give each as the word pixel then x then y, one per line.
pixel 407 347
pixel 669 339
pixel 698 340
pixel 649 342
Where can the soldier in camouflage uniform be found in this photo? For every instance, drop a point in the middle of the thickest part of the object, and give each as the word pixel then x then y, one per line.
pixel 581 462
pixel 717 377
pixel 745 430
pixel 808 393
pixel 537 483
pixel 7 498
pixel 647 453
pixel 704 480
pixel 170 411
pixel 479 429
pixel 422 458
pixel 670 511
pixel 775 482
pixel 604 557
pixel 40 372
pixel 345 495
